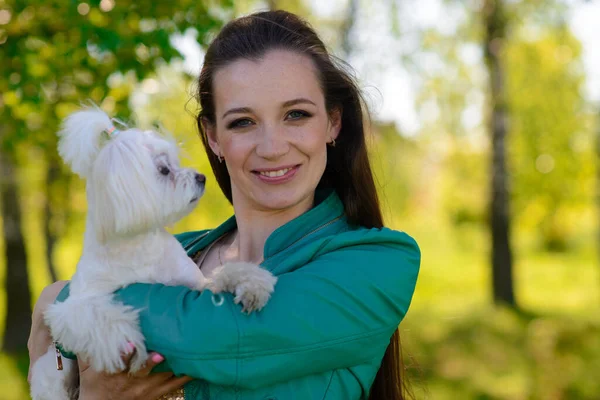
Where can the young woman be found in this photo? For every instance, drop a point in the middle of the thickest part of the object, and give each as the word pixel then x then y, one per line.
pixel 283 128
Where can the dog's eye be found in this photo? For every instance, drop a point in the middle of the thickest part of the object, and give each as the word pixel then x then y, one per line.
pixel 164 170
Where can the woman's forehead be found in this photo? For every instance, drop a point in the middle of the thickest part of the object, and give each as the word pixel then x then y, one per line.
pixel 278 76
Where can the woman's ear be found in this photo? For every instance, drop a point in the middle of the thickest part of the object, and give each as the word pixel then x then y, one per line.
pixel 335 123
pixel 211 134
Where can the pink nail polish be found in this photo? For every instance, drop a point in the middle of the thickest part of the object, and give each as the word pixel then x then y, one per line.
pixel 157 358
pixel 129 348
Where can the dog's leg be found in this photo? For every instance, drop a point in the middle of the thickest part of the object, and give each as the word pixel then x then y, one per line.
pixel 251 284
pixel 98 330
pixel 48 383
pixel 185 271
pixel 190 275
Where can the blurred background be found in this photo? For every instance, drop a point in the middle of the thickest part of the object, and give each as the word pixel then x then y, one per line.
pixel 484 138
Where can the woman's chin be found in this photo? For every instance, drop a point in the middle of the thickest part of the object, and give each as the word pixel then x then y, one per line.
pixel 284 201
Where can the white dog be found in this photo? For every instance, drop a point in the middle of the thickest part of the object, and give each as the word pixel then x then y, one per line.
pixel 135 187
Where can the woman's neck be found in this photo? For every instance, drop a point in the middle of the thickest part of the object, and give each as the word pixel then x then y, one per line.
pixel 255 226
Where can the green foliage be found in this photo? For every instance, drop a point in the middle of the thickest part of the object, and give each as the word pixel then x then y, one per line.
pixel 59 53
pixel 550 139
pixel 551 145
pixel 499 354
pixel 13 380
pixel 396 165
pixel 465 183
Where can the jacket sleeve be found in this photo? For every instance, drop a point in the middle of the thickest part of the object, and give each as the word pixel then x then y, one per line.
pixel 337 311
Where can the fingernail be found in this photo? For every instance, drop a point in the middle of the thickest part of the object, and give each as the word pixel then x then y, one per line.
pixel 157 358
pixel 130 347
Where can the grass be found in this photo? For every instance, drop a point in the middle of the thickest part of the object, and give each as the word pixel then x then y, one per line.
pixel 497 353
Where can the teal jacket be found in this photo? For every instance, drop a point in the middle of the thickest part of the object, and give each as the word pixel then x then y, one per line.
pixel 342 291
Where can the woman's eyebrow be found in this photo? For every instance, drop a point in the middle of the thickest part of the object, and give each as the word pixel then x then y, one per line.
pixel 239 110
pixel 248 110
pixel 297 101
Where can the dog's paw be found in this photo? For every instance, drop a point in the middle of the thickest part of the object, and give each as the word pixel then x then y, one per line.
pixel 254 293
pixel 251 284
pixel 98 330
pixel 223 279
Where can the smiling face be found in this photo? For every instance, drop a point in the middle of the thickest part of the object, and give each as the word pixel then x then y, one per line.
pixel 272 129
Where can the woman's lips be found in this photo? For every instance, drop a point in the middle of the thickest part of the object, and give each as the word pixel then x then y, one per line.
pixel 277 175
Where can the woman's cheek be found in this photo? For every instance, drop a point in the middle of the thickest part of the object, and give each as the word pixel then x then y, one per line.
pixel 237 148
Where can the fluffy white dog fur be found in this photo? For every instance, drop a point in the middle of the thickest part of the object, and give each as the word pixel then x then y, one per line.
pixel 135 187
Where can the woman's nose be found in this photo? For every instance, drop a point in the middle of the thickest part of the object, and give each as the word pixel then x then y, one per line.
pixel 272 143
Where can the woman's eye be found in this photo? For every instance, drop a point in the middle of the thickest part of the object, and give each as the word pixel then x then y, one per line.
pixel 298 114
pixel 239 123
pixel 164 170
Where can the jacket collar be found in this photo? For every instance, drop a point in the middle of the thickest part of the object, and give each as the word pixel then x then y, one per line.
pixel 328 207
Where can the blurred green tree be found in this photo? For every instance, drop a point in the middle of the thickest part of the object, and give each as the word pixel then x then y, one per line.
pixel 495 26
pixel 519 86
pixel 56 54
pixel 550 146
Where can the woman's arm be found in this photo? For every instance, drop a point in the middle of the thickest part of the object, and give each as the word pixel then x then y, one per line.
pixel 335 312
pixel 39 336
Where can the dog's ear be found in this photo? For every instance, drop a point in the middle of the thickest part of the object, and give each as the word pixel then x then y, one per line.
pixel 81 137
pixel 124 190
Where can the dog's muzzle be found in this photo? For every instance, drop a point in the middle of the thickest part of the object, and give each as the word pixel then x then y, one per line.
pixel 200 180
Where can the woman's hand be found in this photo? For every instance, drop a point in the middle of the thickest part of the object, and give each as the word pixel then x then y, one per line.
pixel 39 337
pixel 125 386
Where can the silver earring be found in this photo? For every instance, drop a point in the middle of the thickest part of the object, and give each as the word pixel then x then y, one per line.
pixel 220 158
pixel 332 143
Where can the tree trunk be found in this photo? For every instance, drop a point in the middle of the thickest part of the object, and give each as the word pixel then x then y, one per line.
pixel 18 295
pixel 495 28
pixel 52 178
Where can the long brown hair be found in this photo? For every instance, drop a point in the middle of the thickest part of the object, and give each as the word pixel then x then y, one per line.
pixel 348 170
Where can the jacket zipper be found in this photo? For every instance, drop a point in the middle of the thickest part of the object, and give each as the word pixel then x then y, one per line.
pixel 193 243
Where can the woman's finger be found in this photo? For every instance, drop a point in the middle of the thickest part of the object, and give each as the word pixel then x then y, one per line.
pixel 171 385
pixel 127 355
pixel 153 360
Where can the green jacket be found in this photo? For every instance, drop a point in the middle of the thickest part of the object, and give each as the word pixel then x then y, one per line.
pixel 342 290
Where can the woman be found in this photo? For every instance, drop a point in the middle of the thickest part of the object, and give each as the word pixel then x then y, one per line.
pixel 283 129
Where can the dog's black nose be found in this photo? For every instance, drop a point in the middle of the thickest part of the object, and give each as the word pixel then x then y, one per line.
pixel 200 179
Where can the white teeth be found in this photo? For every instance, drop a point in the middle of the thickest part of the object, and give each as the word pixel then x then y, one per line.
pixel 273 174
